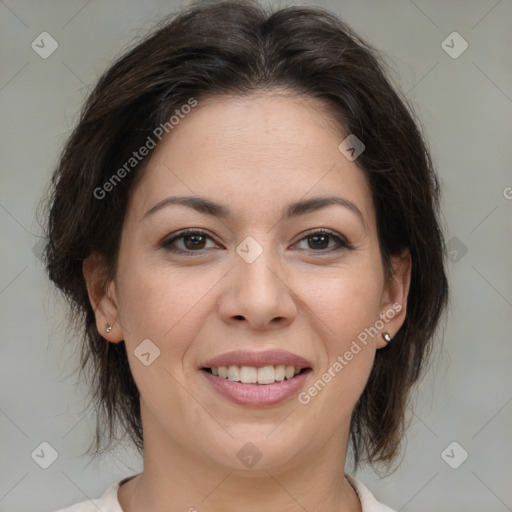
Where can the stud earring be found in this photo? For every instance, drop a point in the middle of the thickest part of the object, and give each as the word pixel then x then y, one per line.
pixel 109 328
pixel 387 337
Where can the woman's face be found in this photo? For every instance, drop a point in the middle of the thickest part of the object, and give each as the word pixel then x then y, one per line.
pixel 263 275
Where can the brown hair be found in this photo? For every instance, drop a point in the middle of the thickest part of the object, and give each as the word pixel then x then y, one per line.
pixel 237 48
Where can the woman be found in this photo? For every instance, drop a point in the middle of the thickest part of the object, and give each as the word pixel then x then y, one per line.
pixel 245 221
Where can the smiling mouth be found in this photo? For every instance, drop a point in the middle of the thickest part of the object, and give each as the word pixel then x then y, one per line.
pixel 264 375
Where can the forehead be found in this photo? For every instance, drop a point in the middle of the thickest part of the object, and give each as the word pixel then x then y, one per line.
pixel 257 150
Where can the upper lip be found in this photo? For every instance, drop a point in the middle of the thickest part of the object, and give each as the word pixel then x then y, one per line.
pixel 258 359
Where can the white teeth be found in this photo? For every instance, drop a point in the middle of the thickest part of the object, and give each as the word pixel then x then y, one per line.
pixel 289 372
pixel 233 373
pixel 248 374
pixel 266 375
pixel 253 375
pixel 280 372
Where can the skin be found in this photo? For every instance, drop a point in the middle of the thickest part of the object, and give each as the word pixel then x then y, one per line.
pixel 254 155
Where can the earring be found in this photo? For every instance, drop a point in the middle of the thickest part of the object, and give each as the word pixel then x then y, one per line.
pixel 109 328
pixel 387 337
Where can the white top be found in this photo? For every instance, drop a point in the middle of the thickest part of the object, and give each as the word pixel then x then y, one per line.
pixel 109 502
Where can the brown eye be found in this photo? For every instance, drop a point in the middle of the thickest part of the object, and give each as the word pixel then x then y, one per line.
pixel 319 241
pixel 194 241
pixel 327 241
pixel 187 242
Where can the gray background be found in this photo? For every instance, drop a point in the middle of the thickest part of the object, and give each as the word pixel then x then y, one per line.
pixel 465 105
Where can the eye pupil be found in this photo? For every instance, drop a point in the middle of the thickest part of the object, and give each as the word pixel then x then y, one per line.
pixel 196 241
pixel 322 239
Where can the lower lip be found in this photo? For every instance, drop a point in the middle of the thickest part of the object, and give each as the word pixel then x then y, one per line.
pixel 257 395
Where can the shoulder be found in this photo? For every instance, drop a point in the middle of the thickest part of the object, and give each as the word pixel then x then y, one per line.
pixel 84 506
pixel 368 501
pixel 108 502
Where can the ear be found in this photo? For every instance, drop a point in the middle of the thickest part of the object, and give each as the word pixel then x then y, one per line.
pixel 394 297
pixel 102 296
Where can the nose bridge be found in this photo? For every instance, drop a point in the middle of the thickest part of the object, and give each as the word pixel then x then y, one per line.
pixel 253 268
pixel 257 292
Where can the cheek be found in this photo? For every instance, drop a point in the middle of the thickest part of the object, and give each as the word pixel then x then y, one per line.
pixel 163 305
pixel 346 307
pixel 346 301
pixel 148 306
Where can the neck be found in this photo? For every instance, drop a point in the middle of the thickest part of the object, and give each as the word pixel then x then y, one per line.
pixel 176 479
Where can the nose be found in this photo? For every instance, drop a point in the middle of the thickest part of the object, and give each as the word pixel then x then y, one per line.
pixel 258 293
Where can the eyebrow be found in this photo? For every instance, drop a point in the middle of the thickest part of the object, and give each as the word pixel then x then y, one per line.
pixel 303 207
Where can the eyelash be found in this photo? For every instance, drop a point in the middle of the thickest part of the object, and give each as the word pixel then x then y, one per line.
pixel 342 242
